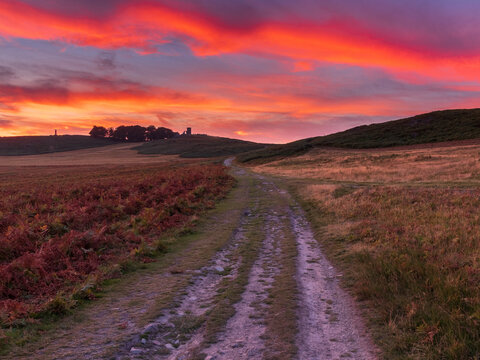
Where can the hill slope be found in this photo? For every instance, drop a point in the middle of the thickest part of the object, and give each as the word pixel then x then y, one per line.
pixel 447 125
pixel 33 145
pixel 198 146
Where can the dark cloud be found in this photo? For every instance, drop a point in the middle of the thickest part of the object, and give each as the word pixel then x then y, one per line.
pixel 45 91
pixel 6 124
pixel 84 8
pixel 106 60
pixel 6 73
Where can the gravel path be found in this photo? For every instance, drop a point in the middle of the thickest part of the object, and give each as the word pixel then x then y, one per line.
pixel 329 325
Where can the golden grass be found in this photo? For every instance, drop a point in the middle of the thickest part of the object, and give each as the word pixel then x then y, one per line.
pixel 121 154
pixel 459 164
pixel 404 227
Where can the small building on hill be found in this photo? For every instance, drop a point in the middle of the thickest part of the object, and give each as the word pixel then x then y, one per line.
pixel 187 132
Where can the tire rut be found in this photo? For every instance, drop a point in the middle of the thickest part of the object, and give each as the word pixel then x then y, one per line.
pixel 175 334
pixel 243 336
pixel 329 324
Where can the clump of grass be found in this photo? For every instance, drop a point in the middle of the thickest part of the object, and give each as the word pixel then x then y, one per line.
pixel 187 324
pixel 342 191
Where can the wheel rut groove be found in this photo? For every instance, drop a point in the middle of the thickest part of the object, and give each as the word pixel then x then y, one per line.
pixel 175 334
pixel 329 324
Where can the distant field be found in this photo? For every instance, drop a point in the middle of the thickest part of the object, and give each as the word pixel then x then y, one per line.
pixel 403 225
pixel 198 146
pixel 31 145
pixel 439 126
pixel 107 155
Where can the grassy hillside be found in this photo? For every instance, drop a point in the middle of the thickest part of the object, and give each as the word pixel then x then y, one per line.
pixel 33 145
pixel 198 146
pixel 436 126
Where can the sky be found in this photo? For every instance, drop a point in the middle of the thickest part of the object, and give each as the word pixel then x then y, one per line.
pixel 269 71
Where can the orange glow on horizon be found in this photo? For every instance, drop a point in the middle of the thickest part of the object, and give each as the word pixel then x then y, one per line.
pixel 221 94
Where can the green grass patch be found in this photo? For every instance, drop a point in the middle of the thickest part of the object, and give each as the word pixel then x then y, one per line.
pixel 198 146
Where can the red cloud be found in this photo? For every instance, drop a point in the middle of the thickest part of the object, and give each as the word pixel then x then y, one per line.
pixel 143 24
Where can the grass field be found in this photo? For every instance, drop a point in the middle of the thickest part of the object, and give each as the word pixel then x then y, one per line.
pixel 403 225
pixel 117 154
pixel 438 126
pixel 32 145
pixel 198 146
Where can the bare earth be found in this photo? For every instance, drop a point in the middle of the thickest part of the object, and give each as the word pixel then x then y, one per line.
pixel 164 314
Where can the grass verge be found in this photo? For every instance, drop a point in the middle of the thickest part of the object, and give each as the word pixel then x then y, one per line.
pixel 411 256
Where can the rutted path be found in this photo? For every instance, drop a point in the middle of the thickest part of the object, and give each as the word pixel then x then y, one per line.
pixel 172 335
pixel 243 337
pixel 235 303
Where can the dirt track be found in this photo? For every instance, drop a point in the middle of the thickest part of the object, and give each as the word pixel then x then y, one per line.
pixel 242 275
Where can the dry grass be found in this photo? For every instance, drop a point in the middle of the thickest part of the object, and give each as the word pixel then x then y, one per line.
pixel 459 164
pixel 121 154
pixel 404 227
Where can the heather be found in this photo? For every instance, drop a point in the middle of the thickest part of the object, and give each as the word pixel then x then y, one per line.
pixel 62 230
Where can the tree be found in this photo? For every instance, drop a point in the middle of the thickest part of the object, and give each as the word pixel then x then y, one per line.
pixel 120 133
pixel 164 133
pixel 134 133
pixel 98 132
pixel 153 133
pixel 150 133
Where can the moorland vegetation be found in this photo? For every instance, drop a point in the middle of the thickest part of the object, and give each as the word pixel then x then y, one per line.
pixel 64 230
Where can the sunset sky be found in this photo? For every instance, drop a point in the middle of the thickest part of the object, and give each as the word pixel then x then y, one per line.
pixel 262 70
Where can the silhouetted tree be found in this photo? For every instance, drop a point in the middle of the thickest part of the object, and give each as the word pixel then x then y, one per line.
pixel 129 133
pixel 164 133
pixel 135 133
pixel 98 132
pixel 153 133
pixel 150 132
pixel 120 133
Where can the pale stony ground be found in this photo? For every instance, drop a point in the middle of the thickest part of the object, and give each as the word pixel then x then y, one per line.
pixel 328 323
pixel 330 326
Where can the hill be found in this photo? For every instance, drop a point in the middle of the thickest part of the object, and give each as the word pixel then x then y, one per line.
pixel 437 126
pixel 198 146
pixel 33 145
